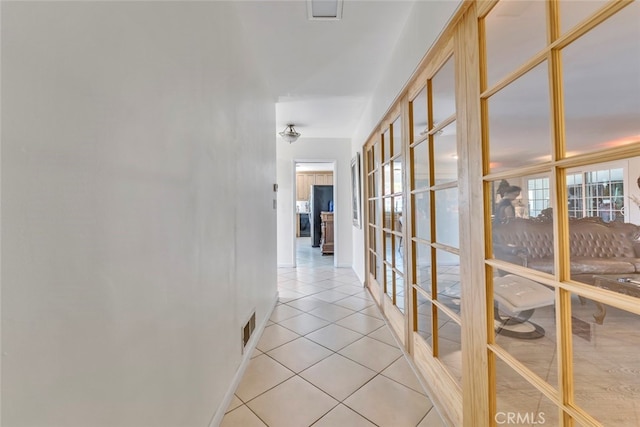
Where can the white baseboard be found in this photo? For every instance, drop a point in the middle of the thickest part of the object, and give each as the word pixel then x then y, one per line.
pixel 290 265
pixel 246 358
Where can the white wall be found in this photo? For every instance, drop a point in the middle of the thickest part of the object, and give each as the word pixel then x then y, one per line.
pixel 310 149
pixel 138 229
pixel 426 20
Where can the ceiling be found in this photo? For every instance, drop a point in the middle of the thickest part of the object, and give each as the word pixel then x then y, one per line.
pixel 323 72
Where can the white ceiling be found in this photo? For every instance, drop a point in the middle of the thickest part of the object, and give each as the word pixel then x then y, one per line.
pixel 322 72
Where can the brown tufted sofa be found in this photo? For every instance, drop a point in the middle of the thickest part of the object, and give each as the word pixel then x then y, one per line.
pixel 597 247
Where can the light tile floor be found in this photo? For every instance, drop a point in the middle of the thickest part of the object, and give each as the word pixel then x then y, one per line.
pixel 327 358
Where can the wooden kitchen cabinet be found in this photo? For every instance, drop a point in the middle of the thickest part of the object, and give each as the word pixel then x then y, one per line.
pixel 326 233
pixel 304 181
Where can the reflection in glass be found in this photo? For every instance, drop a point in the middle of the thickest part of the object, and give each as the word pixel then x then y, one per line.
pixel 388 280
pixel 602 103
pixel 572 12
pixel 388 248
pixel 397 214
pixel 387 212
pixel 386 139
pixel 516 396
pixel 372 211
pixel 376 183
pixel 524 240
pixel 372 264
pixel 399 287
pixel 448 279
pixel 604 194
pixel 387 178
pixel 398 255
pixel 447 221
pixel 519 122
pixel 449 345
pixel 421 165
pixel 373 243
pixel 424 316
pixel 423 267
pixel 445 154
pixel 606 364
pixel 516 30
pixel 419 106
pixel 397 175
pixel 397 137
pixel 375 152
pixel 421 215
pixel 443 92
pixel 525 325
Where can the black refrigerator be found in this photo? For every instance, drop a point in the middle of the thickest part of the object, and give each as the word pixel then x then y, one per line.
pixel 320 200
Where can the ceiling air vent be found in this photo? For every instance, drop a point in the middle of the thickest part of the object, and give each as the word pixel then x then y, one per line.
pixel 324 10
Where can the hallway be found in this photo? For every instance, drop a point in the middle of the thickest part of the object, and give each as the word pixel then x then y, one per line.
pixel 327 358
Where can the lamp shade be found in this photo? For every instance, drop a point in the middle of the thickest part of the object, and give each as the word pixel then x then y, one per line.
pixel 290 134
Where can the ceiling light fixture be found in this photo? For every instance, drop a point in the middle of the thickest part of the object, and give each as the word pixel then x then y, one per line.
pixel 289 133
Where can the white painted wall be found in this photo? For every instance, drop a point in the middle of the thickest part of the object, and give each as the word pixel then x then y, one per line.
pixel 314 149
pixel 426 21
pixel 138 228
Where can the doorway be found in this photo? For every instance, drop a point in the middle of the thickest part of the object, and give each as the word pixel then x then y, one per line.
pixel 314 209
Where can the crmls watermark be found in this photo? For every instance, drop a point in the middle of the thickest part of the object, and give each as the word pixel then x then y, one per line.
pixel 513 418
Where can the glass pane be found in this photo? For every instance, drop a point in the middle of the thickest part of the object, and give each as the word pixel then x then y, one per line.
pixel 388 280
pixel 449 345
pixel 419 108
pixel 424 316
pixel 397 214
pixel 516 30
pixel 448 279
pixel 445 155
pixel 421 215
pixel 519 127
pixel 525 326
pixel 372 238
pixel 519 402
pixel 602 103
pixel 386 139
pixel 370 159
pixel 388 248
pixel 372 264
pixel 387 212
pixel 399 256
pixel 397 136
pixel 606 365
pixel 397 175
pixel 447 221
pixel 421 165
pixel 572 11
pixel 400 292
pixel 423 267
pixel 375 183
pixel 443 92
pixel 372 211
pixel 387 178
pixel 376 154
pixel 379 212
pixel 575 195
pixel 604 248
pixel 523 222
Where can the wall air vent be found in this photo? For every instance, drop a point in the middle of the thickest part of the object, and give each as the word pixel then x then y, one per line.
pixel 324 10
pixel 247 330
